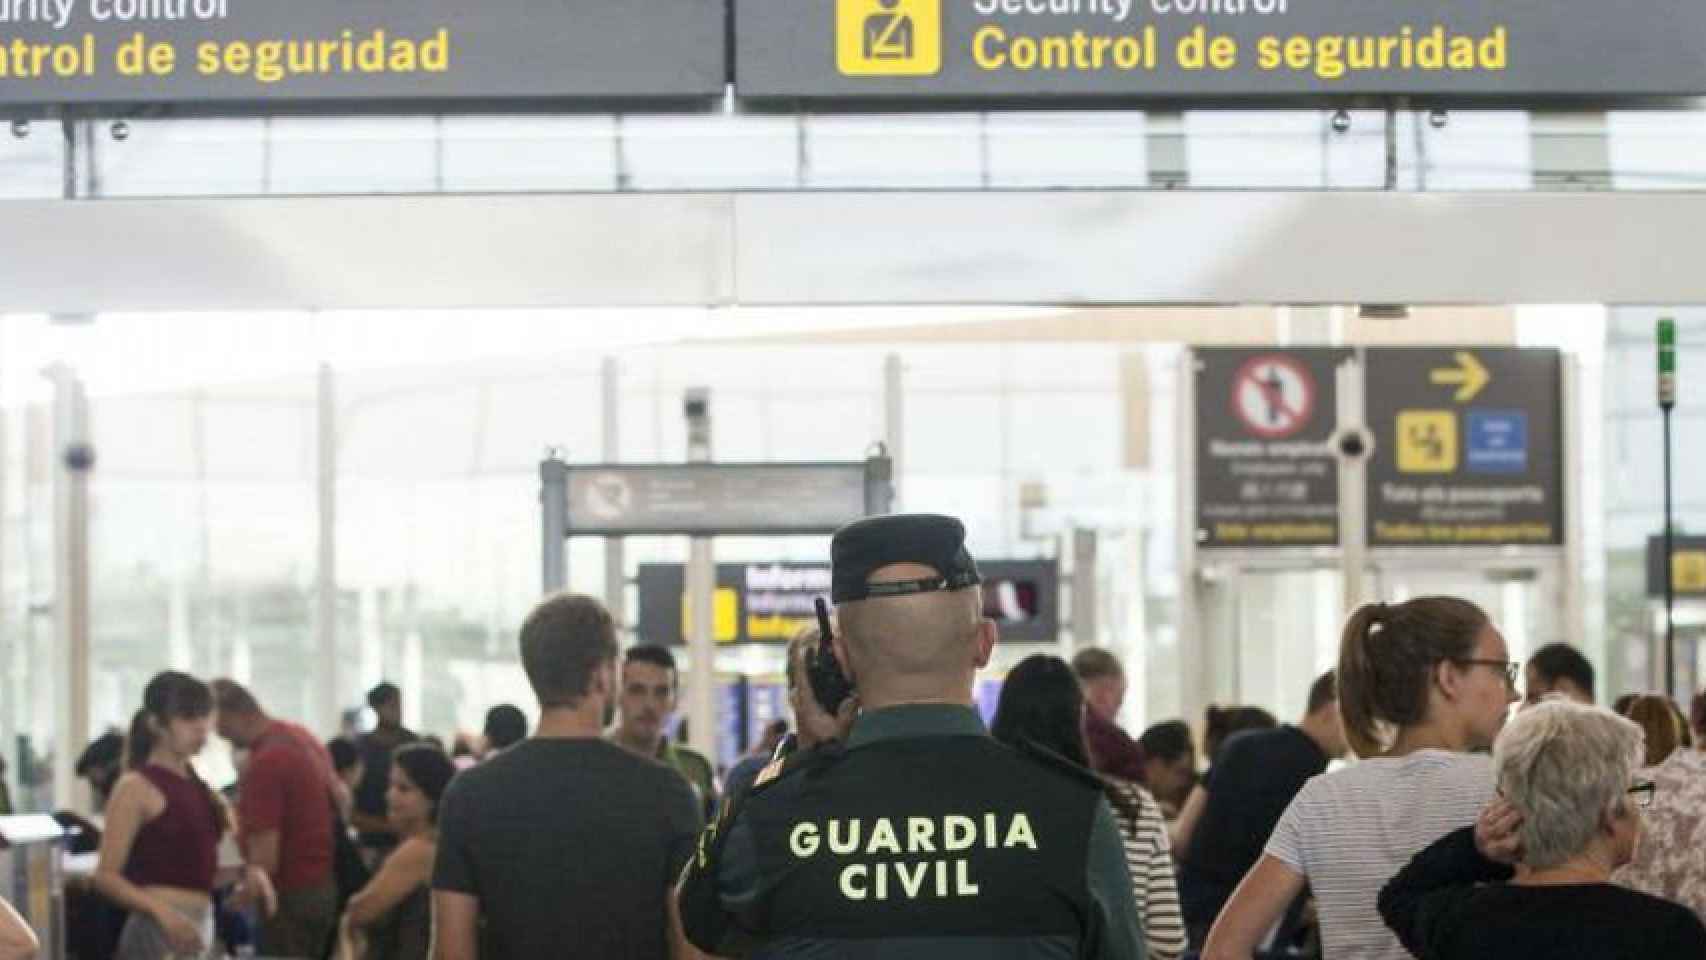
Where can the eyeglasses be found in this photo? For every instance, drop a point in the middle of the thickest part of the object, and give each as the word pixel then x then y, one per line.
pixel 1510 668
pixel 1643 793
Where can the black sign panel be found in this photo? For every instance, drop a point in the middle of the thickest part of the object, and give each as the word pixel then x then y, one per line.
pixel 1265 474
pixel 724 498
pixel 769 602
pixel 1687 566
pixel 1029 51
pixel 263 52
pixel 1468 447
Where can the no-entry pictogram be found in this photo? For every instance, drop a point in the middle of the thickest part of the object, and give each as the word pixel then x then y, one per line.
pixel 1273 395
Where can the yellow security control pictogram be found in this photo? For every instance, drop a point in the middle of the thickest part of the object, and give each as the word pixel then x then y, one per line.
pixel 1427 441
pixel 1688 571
pixel 888 38
pixel 725 616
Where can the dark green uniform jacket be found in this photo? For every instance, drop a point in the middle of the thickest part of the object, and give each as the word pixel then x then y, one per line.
pixel 922 838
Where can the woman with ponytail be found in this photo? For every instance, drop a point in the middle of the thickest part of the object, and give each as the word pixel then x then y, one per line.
pixel 1424 688
pixel 163 825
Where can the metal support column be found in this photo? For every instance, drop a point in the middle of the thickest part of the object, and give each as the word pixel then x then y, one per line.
pixel 615 572
pixel 1575 549
pixel 1353 488
pixel 701 594
pixel 554 525
pixel 1193 646
pixel 894 421
pixel 75 458
pixel 1084 602
pixel 326 568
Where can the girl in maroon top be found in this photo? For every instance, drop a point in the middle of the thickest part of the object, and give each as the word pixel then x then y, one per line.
pixel 160 849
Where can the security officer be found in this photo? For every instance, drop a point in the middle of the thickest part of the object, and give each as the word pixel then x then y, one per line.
pixel 922 836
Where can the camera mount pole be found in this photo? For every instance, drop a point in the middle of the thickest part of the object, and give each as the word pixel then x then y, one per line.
pixel 701 594
pixel 1667 402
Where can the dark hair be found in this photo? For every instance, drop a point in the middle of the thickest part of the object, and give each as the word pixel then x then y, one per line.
pixel 654 654
pixel 1323 691
pixel 105 751
pixel 506 726
pixel 229 696
pixel 1042 704
pixel 1168 740
pixel 1092 663
pixel 1697 711
pixel 1560 660
pixel 1621 705
pixel 1386 660
pixel 344 753
pixel 1654 715
pixel 429 770
pixel 172 695
pixel 1220 723
pixel 384 694
pixel 1686 734
pixel 564 641
pixel 169 695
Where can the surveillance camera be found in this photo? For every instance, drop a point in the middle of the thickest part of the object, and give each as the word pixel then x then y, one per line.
pixel 696 404
pixel 80 457
pixel 1353 444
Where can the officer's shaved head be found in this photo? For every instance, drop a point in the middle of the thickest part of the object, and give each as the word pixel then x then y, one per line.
pixel 912 642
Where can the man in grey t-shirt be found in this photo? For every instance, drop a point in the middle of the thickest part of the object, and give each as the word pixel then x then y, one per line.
pixel 564 844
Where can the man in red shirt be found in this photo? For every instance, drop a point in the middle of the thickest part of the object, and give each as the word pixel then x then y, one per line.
pixel 1112 750
pixel 285 820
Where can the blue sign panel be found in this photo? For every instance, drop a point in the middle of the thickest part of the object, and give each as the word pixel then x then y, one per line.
pixel 1498 441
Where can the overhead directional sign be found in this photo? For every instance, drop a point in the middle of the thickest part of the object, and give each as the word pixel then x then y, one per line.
pixel 1468 447
pixel 1687 566
pixel 724 498
pixel 769 602
pixel 1053 50
pixel 1265 474
pixel 436 51
pixel 1465 373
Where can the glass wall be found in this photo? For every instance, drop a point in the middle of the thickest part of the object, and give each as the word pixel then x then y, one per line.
pixel 205 511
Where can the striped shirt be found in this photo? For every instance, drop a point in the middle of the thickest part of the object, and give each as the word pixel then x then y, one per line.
pixel 1150 858
pixel 1349 832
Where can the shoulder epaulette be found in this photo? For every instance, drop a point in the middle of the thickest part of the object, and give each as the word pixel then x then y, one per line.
pixel 813 761
pixel 771 771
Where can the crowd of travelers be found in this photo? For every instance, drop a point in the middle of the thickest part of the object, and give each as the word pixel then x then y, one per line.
pixel 1435 796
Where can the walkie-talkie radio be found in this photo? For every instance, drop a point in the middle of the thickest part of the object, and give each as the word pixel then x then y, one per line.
pixel 823 672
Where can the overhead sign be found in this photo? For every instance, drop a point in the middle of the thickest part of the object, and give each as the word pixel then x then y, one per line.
pixel 1687 566
pixel 724 498
pixel 439 51
pixel 1468 447
pixel 770 602
pixel 1265 474
pixel 1008 50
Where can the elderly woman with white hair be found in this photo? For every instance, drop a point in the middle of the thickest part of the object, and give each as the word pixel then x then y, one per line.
pixel 1568 815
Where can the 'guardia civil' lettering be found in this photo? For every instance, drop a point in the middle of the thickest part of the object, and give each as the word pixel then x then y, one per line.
pixel 881 879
